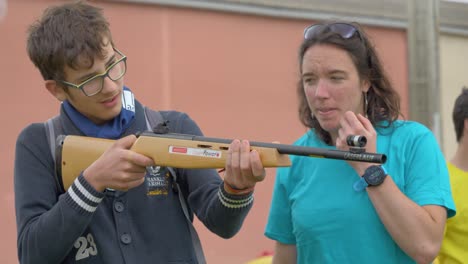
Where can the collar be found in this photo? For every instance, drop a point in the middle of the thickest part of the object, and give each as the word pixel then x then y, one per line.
pixel 114 128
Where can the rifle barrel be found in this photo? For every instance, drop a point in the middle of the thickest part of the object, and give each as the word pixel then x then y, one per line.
pixel 288 149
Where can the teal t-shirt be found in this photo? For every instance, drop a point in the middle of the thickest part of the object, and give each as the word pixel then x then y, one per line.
pixel 315 207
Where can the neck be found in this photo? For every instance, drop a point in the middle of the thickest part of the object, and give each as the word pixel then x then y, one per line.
pixel 460 159
pixel 333 138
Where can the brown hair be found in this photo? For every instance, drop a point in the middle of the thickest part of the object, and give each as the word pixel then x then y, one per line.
pixel 460 113
pixel 67 35
pixel 383 100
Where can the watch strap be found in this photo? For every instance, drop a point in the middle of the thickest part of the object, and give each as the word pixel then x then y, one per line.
pixel 360 185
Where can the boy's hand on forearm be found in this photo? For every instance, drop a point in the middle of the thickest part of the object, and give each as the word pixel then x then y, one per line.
pixel 244 168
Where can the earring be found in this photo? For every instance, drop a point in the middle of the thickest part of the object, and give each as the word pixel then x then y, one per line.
pixel 366 104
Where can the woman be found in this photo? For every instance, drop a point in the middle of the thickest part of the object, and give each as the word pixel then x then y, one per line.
pixel 334 211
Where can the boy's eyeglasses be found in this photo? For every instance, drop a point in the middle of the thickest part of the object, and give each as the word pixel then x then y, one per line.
pixel 95 84
pixel 345 30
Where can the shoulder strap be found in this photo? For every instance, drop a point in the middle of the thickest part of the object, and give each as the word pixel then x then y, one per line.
pixel 54 128
pixel 154 118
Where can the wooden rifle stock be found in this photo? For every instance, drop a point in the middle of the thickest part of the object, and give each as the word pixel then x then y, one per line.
pixel 75 153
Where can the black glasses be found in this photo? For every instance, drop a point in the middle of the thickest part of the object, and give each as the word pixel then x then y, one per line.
pixel 95 84
pixel 345 30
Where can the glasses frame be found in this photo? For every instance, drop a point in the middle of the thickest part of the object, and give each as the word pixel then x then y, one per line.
pixel 102 75
pixel 334 28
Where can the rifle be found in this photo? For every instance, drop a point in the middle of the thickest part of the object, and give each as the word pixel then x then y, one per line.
pixel 76 153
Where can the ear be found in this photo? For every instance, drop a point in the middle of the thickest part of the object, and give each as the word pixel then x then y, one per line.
pixel 365 85
pixel 55 90
pixel 465 126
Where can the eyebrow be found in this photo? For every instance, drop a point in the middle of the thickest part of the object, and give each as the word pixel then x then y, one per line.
pixel 337 71
pixel 307 74
pixel 92 74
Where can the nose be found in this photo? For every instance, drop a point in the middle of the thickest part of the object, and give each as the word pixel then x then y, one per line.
pixel 109 86
pixel 321 90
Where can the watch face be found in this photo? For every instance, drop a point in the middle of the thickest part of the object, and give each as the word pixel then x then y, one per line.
pixel 374 175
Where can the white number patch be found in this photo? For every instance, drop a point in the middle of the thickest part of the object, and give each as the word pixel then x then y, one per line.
pixel 82 245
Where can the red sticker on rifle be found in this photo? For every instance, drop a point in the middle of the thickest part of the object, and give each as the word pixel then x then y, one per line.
pixel 177 150
pixel 200 152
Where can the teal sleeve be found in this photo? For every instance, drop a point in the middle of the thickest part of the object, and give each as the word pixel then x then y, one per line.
pixel 428 182
pixel 279 226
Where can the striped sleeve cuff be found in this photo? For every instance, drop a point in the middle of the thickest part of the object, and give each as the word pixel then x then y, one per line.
pixel 82 196
pixel 234 201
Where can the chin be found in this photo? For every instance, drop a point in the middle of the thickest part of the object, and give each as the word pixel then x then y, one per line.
pixel 329 125
pixel 115 112
pixel 110 114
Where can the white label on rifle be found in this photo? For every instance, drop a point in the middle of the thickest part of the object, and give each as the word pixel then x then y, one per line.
pixel 208 153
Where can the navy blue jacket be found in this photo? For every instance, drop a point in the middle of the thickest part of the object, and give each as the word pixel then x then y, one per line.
pixel 144 225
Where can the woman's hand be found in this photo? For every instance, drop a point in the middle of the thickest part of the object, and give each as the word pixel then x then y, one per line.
pixel 352 124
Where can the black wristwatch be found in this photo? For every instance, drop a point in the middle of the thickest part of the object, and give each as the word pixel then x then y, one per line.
pixel 373 176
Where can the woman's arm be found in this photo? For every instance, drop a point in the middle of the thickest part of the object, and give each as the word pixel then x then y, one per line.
pixel 284 254
pixel 418 230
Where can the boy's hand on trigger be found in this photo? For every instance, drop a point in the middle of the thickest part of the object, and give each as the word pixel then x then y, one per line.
pixel 118 167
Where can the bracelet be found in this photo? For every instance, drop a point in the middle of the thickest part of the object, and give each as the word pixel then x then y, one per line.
pixel 233 201
pixel 233 190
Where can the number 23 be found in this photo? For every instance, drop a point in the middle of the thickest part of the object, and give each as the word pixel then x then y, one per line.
pixel 82 245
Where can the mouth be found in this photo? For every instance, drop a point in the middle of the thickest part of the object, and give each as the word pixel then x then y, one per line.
pixel 325 111
pixel 110 99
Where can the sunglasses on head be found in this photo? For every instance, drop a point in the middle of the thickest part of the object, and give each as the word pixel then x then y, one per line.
pixel 345 30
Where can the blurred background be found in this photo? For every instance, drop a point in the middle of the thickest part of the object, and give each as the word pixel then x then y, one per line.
pixel 232 66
